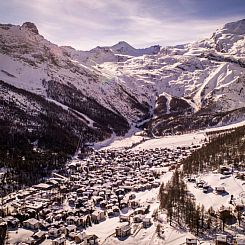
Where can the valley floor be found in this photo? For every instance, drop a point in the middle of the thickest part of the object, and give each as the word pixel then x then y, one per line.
pixel 169 234
pixel 171 141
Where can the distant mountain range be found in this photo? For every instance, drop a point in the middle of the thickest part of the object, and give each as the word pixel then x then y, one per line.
pixel 94 94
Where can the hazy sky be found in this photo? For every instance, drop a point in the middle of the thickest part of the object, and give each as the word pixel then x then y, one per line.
pixel 85 24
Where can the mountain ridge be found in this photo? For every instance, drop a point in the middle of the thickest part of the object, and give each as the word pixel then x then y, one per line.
pixel 55 100
pixel 204 76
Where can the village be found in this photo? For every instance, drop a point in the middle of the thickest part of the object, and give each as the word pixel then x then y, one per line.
pixel 109 197
pixel 90 191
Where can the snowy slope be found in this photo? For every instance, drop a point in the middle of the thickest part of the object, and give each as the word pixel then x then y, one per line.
pixel 131 84
pixel 209 78
pixel 30 62
pixel 230 38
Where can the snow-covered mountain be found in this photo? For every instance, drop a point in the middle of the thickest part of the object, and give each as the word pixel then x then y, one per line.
pixel 126 49
pixel 30 62
pixel 119 52
pixel 205 77
pixel 112 88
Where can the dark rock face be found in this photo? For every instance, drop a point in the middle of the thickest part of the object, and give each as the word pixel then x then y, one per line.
pixel 178 105
pixel 161 107
pixel 30 26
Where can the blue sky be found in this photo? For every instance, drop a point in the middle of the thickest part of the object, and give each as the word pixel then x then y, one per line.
pixel 85 24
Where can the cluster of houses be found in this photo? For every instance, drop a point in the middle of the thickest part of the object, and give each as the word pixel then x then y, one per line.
pixel 88 192
pixel 220 239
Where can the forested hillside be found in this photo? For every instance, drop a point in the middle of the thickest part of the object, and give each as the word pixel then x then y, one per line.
pixel 224 148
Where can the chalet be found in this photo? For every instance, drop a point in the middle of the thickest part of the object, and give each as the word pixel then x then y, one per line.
pixel 57 217
pixel 71 201
pixel 32 224
pixel 139 211
pixel 97 216
pixel 103 204
pixel 156 184
pixel 147 222
pixel 225 170
pixel 11 221
pixel 191 241
pixel 123 231
pixel 206 188
pixel 54 232
pixel 72 235
pixel 114 200
pixel 223 239
pixel 132 196
pixel 134 204
pixel 71 220
pixel 63 189
pixel 59 241
pixel 69 229
pixel 91 240
pixel 98 199
pixel 200 183
pixel 115 209
pixel 124 218
pixel 80 237
pixel 220 189
pixel 138 218
pixel 110 213
pixel 39 236
pixel 239 206
pixel 52 182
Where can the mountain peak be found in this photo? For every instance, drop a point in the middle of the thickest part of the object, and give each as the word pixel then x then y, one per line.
pixel 122 44
pixel 31 27
pixel 124 48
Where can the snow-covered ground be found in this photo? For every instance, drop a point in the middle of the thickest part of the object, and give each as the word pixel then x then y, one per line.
pixel 230 126
pixel 16 237
pixel 116 142
pixel 125 142
pixel 171 141
pixel 104 229
pixel 232 186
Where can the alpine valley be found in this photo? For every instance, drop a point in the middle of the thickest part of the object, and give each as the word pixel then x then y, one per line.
pixel 119 145
pixel 53 96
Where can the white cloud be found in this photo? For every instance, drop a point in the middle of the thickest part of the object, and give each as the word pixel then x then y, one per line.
pixel 85 24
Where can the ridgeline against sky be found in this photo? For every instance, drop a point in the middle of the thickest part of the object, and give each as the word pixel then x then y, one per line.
pixel 85 24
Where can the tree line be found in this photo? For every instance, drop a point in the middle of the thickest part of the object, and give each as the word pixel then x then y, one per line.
pixel 183 211
pixel 180 204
